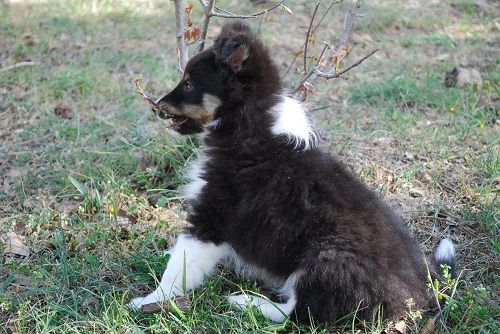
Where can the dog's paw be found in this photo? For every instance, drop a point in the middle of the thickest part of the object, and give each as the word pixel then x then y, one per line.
pixel 139 302
pixel 136 303
pixel 239 301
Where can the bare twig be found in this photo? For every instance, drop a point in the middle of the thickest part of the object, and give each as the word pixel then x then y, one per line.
pixel 228 15
pixel 17 65
pixel 327 45
pixel 335 55
pixel 326 13
pixel 138 88
pixel 207 9
pixel 179 31
pixel 308 35
pixel 338 74
pixel 313 31
pixel 262 18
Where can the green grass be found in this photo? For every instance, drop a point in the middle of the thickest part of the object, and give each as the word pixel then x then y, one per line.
pixel 80 190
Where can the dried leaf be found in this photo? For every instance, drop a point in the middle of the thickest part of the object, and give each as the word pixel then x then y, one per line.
pixel 29 203
pixel 14 245
pixel 429 327
pixel 301 51
pixel 196 32
pixel 288 10
pixel 401 326
pixel 152 308
pixel 26 281
pixel 183 303
pixel 29 39
pixel 63 111
pixel 189 8
pixel 126 218
pixel 192 33
pixel 15 172
pixel 91 302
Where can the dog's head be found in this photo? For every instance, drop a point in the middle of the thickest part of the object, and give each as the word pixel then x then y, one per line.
pixel 228 71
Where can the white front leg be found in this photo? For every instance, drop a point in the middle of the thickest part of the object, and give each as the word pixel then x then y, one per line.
pixel 190 261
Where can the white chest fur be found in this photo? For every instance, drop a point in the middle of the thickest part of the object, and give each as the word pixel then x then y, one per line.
pixel 195 174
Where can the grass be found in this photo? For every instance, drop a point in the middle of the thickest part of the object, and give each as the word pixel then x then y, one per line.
pixel 95 195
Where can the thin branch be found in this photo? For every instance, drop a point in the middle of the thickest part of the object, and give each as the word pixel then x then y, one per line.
pixel 262 18
pixel 326 13
pixel 308 35
pixel 179 31
pixel 312 76
pixel 156 108
pixel 338 74
pixel 327 45
pixel 228 15
pixel 314 30
pixel 17 65
pixel 207 9
pixel 305 79
pixel 323 107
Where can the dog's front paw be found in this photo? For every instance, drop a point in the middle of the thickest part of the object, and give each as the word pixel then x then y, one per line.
pixel 239 301
pixel 139 302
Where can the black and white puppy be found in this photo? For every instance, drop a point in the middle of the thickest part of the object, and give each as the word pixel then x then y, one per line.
pixel 262 193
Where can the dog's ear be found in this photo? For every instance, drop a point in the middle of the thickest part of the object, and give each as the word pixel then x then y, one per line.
pixel 232 47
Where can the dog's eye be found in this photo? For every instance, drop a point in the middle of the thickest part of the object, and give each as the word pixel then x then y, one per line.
pixel 188 86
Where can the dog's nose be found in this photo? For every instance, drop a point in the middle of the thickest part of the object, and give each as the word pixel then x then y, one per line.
pixel 163 107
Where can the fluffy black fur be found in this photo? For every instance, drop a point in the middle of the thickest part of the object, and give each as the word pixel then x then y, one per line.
pixel 290 210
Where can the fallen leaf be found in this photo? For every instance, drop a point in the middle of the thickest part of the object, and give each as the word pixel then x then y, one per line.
pixel 91 302
pixel 429 327
pixel 29 39
pixel 25 281
pixel 124 217
pixel 183 303
pixel 63 111
pixel 69 205
pixel 463 76
pixel 401 327
pixel 443 56
pixel 64 38
pixel 16 172
pixel 14 245
pixel 29 203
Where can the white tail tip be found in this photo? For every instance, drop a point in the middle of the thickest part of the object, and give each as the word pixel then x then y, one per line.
pixel 445 251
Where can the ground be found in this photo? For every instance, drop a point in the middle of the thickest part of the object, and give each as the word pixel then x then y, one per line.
pixel 89 178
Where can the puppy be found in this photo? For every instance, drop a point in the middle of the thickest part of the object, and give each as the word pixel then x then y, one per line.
pixel 264 194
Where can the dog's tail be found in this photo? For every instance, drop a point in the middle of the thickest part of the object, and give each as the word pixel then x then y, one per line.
pixel 445 255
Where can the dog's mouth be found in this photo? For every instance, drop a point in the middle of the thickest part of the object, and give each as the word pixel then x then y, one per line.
pixel 177 121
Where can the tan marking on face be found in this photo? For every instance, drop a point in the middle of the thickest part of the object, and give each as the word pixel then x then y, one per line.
pixel 211 103
pixel 205 112
pixel 186 76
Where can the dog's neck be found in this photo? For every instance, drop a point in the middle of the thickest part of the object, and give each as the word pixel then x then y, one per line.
pixel 280 119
